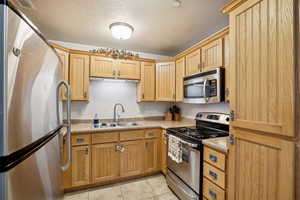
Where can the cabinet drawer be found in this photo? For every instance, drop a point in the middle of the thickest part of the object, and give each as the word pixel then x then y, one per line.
pixel 152 133
pixel 211 191
pixel 214 174
pixel 80 140
pixel 105 137
pixel 132 135
pixel 214 158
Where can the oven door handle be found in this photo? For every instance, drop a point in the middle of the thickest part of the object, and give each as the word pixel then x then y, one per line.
pixel 183 141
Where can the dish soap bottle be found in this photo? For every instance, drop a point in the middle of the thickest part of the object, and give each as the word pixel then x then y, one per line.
pixel 96 121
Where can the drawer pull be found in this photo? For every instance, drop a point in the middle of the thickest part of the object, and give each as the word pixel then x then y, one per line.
pixel 213 175
pixel 213 158
pixel 80 140
pixel 151 134
pixel 212 194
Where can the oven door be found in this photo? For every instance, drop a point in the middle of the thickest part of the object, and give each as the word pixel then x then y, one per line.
pixel 189 169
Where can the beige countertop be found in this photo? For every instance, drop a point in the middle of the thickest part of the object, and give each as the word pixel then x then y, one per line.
pixel 87 127
pixel 220 143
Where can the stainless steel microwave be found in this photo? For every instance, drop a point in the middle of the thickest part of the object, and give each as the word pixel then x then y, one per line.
pixel 204 87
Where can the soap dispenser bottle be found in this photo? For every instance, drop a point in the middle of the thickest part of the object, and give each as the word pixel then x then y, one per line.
pixel 96 121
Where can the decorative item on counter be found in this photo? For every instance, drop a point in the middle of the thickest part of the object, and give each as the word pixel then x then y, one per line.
pixel 174 114
pixel 168 116
pixel 115 53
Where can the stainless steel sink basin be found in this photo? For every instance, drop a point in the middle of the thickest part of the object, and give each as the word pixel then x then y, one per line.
pixel 116 124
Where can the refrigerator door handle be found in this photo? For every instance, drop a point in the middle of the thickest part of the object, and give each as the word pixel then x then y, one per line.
pixel 68 124
pixel 10 161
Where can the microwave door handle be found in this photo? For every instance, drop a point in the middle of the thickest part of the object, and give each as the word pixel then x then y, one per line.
pixel 204 89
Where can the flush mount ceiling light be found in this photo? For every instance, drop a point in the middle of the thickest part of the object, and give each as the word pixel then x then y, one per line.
pixel 121 30
pixel 176 3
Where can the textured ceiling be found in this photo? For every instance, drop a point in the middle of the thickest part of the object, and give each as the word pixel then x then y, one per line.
pixel 159 27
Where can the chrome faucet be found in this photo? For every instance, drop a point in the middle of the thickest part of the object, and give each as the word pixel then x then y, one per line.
pixel 115 119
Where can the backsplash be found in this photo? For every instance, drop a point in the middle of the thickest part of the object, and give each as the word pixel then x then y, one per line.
pixel 104 93
pixel 190 110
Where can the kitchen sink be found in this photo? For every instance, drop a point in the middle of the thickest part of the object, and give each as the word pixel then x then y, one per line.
pixel 116 124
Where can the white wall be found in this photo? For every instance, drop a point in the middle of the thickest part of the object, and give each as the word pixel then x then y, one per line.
pixel 84 47
pixel 105 93
pixel 190 110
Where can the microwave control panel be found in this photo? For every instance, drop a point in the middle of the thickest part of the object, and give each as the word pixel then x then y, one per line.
pixel 213 86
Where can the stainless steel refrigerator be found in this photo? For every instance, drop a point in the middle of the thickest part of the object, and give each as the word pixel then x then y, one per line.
pixel 31 127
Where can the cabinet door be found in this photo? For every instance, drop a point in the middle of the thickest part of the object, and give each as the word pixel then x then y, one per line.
pixel 132 158
pixel 164 152
pixel 262 83
pixel 146 87
pixel 180 73
pixel 80 165
pixel 129 69
pixel 102 67
pixel 212 55
pixel 79 77
pixel 165 81
pixel 64 57
pixel 260 167
pixel 105 162
pixel 226 65
pixel 151 155
pixel 192 63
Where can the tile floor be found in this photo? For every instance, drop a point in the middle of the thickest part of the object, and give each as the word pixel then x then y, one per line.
pixel 148 188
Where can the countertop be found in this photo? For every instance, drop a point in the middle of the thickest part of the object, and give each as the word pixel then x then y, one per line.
pixel 220 143
pixel 87 127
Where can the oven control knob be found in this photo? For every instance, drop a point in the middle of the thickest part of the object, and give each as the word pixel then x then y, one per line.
pixel 200 115
pixel 227 119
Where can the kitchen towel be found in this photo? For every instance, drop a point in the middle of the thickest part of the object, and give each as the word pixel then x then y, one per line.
pixel 174 148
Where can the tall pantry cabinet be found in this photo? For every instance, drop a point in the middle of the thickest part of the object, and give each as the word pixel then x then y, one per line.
pixel 262 99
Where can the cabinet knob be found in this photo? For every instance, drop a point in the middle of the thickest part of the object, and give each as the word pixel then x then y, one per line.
pixel 213 175
pixel 86 151
pixel 119 73
pixel 213 158
pixel 212 194
pixel 85 94
pixel 114 73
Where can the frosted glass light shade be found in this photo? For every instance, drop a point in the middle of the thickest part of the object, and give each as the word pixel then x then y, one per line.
pixel 121 31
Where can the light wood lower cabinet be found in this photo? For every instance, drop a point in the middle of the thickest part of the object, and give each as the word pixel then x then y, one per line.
pixel 105 162
pixel 132 158
pixel 151 155
pixel 103 157
pixel 80 165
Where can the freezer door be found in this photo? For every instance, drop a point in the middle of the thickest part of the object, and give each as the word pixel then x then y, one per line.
pixel 32 73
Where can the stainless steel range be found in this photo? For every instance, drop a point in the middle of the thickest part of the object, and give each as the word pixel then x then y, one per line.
pixel 185 177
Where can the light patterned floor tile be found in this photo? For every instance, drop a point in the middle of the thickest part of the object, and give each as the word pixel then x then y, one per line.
pixel 82 195
pixel 137 190
pixel 166 196
pixel 106 193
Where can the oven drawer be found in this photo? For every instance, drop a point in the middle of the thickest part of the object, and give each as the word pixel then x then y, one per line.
pixel 180 188
pixel 215 175
pixel 214 158
pixel 211 191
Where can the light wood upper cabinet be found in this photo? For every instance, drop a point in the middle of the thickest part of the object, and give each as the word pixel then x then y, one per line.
pixel 105 162
pixel 192 61
pixel 132 158
pixel 151 155
pixel 262 88
pixel 212 55
pixel 79 77
pixel 64 57
pixel 165 81
pixel 80 165
pixel 226 66
pixel 260 167
pixel 102 67
pixel 146 87
pixel 128 69
pixel 180 73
